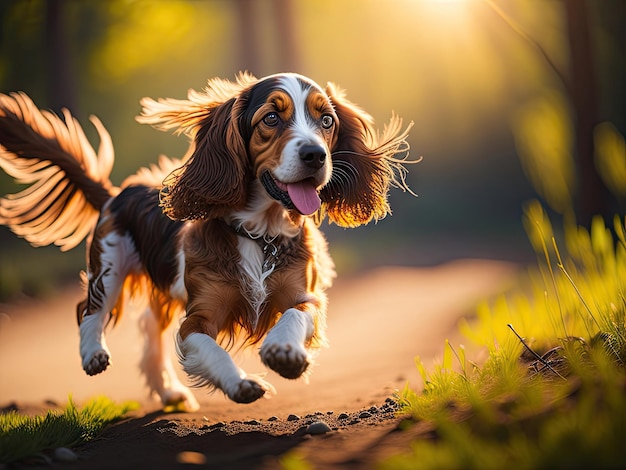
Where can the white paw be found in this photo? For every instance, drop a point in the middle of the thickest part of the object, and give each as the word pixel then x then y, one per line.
pixel 207 364
pixel 179 400
pixel 97 362
pixel 247 391
pixel 289 360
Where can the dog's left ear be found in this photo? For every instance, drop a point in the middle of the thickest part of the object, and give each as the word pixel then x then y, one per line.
pixel 365 164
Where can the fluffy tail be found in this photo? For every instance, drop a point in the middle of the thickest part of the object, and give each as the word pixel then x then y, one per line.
pixel 68 182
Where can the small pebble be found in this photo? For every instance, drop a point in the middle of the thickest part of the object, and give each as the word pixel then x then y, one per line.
pixel 252 422
pixel 273 418
pixel 343 416
pixel 293 418
pixel 365 414
pixel 217 425
pixel 318 427
pixel 63 454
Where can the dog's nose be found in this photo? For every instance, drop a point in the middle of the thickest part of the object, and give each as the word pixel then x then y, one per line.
pixel 313 155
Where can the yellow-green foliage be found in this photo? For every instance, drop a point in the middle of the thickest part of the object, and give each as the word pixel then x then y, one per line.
pixel 610 157
pixel 23 436
pixel 294 461
pixel 579 295
pixel 544 137
pixel 552 397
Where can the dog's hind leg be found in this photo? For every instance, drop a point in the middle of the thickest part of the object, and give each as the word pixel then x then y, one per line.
pixel 156 363
pixel 112 257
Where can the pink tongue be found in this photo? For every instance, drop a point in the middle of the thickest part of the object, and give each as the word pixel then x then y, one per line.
pixel 304 196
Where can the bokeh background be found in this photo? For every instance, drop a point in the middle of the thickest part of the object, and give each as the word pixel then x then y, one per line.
pixel 512 100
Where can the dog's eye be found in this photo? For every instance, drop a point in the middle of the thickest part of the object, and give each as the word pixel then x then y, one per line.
pixel 271 119
pixel 327 121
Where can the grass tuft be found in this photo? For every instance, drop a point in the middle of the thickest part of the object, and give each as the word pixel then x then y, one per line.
pixel 551 392
pixel 23 437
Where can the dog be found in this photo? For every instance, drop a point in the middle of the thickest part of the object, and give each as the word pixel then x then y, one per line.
pixel 226 239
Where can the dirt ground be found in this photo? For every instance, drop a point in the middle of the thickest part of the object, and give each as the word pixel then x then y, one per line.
pixel 378 322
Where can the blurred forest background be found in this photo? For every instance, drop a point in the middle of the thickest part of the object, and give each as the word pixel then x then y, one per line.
pixel 512 100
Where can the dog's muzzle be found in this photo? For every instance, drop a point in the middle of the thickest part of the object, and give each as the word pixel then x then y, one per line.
pixel 301 196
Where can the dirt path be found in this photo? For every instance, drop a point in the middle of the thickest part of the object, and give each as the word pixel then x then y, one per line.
pixel 378 323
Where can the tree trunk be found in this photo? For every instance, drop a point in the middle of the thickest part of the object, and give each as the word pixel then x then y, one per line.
pixel 61 89
pixel 287 43
pixel 249 46
pixel 593 198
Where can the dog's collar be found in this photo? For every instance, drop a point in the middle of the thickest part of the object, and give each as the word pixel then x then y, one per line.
pixel 276 249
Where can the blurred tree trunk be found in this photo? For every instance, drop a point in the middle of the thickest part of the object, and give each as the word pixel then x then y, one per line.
pixel 61 90
pixel 249 45
pixel 281 19
pixel 593 197
pixel 287 45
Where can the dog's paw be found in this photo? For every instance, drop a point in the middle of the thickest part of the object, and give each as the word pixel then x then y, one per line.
pixel 287 360
pixel 247 391
pixel 98 362
pixel 179 400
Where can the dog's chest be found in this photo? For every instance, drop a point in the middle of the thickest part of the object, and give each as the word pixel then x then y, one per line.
pixel 256 264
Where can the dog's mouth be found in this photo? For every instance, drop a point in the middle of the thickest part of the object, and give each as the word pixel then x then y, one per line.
pixel 301 196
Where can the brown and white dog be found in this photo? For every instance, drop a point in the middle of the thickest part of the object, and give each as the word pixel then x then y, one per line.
pixel 229 234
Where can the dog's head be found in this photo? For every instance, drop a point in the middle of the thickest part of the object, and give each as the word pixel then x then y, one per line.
pixel 312 150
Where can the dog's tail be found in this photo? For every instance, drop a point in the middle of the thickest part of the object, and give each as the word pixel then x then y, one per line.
pixel 68 182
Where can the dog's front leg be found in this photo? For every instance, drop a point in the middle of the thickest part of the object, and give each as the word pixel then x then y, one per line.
pixel 93 347
pixel 285 347
pixel 210 365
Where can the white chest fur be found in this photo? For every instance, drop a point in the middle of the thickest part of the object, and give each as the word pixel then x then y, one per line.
pixel 253 274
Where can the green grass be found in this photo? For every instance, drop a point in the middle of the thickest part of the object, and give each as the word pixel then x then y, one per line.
pixel 552 391
pixel 23 437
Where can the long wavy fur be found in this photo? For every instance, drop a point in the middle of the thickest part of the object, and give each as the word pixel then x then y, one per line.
pixel 212 180
pixel 68 181
pixel 365 165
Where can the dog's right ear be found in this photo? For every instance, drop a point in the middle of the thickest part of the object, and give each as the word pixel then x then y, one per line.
pixel 186 116
pixel 213 180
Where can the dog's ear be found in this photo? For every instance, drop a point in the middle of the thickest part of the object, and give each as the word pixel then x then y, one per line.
pixel 213 181
pixel 186 116
pixel 214 178
pixel 364 164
